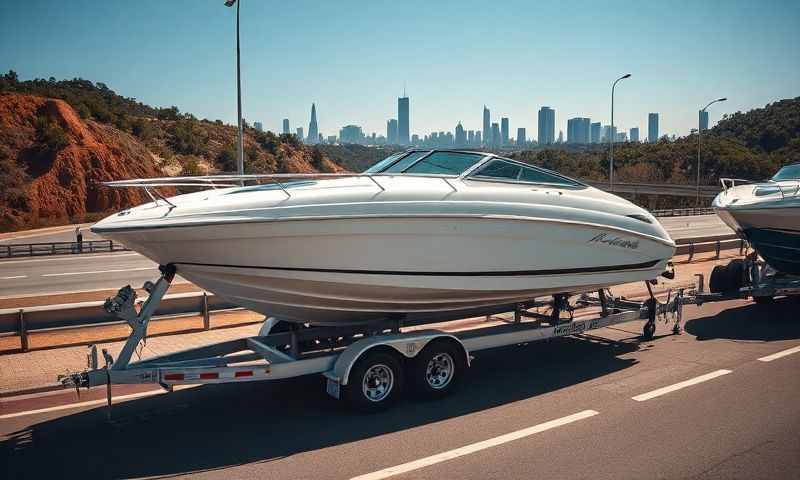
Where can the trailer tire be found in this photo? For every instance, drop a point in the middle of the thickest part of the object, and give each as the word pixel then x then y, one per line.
pixel 716 282
pixel 438 369
pixel 763 299
pixel 735 275
pixel 375 381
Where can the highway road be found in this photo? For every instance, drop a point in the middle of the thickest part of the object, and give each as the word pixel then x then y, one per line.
pixel 717 402
pixel 45 275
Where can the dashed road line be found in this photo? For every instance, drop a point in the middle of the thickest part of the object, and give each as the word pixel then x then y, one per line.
pixel 680 385
pixel 68 256
pixel 780 354
pixel 13 277
pixel 97 271
pixel 475 447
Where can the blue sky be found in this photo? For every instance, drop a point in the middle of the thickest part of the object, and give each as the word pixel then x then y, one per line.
pixel 352 58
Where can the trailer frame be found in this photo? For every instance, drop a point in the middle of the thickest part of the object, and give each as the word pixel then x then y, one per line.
pixel 335 352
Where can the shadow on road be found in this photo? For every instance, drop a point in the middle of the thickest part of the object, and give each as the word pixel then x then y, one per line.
pixel 218 426
pixel 775 321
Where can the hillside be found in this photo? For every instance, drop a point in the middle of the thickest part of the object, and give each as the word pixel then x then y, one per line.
pixel 60 139
pixel 772 129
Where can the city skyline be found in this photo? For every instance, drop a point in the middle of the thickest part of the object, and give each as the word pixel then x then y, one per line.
pixel 196 71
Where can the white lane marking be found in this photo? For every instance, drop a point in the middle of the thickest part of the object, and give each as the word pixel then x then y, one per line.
pixel 680 385
pixel 90 403
pixel 98 271
pixel 12 278
pixel 68 256
pixel 780 354
pixel 475 447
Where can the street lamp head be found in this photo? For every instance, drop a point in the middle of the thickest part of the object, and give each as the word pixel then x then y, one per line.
pixel 627 75
pixel 722 99
pixel 229 3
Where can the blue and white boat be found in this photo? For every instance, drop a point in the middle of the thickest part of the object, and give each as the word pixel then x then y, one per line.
pixel 767 215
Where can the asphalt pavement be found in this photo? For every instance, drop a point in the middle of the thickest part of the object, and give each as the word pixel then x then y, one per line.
pixel 718 401
pixel 70 273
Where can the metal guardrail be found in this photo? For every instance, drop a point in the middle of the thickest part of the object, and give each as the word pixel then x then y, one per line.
pixel 21 321
pixel 682 212
pixel 12 250
pixel 691 246
pixel 706 191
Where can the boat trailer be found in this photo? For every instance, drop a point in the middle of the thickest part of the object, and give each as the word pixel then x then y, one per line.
pixel 367 365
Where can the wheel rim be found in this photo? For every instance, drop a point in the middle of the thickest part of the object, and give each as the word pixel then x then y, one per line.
pixel 439 371
pixel 378 382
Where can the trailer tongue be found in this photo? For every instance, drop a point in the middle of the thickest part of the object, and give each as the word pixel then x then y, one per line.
pixel 365 364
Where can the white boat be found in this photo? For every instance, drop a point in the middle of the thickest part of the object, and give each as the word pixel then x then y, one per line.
pixel 422 235
pixel 766 214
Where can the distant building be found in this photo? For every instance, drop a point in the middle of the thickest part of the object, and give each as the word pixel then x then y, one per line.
pixel 622 137
pixel 504 130
pixel 286 129
pixel 608 134
pixel 258 126
pixel 652 128
pixel 461 136
pixel 596 133
pixel 300 133
pixel 487 133
pixel 495 134
pixel 415 139
pixel 560 137
pixel 521 137
pixel 351 134
pixel 703 121
pixel 391 132
pixel 477 138
pixel 634 134
pixel 331 139
pixel 402 121
pixel 313 132
pixel 471 137
pixel 547 126
pixel 578 130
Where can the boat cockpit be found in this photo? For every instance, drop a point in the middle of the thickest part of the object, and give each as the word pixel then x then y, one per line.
pixel 468 165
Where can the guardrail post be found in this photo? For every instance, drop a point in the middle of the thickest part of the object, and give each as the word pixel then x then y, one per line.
pixel 206 315
pixel 30 249
pixel 691 251
pixel 718 246
pixel 23 331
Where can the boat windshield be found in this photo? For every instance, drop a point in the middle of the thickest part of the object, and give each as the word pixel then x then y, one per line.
pixel 506 171
pixel 789 172
pixel 427 162
pixel 378 167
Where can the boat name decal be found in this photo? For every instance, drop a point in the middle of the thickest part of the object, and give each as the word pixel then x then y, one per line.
pixel 615 241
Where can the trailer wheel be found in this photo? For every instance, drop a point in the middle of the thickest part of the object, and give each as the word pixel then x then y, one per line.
pixel 649 329
pixel 716 281
pixel 375 382
pixel 438 369
pixel 763 299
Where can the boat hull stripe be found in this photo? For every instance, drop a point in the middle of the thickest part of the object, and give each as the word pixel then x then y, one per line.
pixel 513 273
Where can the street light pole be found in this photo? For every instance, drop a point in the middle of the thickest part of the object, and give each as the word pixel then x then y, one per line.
pixel 699 134
pixel 611 135
pixel 240 140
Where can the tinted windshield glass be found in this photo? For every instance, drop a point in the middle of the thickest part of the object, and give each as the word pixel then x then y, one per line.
pixel 499 169
pixel 383 163
pixel 535 175
pixel 789 172
pixel 445 163
pixel 405 162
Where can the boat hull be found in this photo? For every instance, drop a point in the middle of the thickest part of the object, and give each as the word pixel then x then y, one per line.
pixel 357 270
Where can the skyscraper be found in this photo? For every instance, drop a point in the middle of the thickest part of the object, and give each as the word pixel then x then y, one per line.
pixel 478 137
pixel 578 130
pixel 313 133
pixel 391 132
pixel 286 126
pixel 703 120
pixel 471 137
pixel 495 134
pixel 351 134
pixel 487 133
pixel 300 133
pixel 258 126
pixel 547 126
pixel 652 128
pixel 560 136
pixel 461 136
pixel 634 134
pixel 596 132
pixel 504 130
pixel 521 140
pixel 402 120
